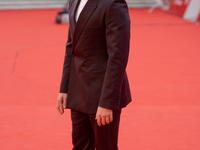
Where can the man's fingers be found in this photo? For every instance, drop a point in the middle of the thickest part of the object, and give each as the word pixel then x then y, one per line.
pixel 60 110
pixel 107 119
pixel 98 120
pixel 61 102
pixel 104 116
pixel 103 120
pixel 64 102
pixel 111 118
pixel 59 107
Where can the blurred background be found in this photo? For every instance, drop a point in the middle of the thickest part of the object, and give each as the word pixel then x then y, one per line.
pixel 188 9
pixel 24 4
pixel 163 70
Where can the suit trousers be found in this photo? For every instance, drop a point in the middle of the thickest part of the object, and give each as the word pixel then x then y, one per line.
pixel 87 135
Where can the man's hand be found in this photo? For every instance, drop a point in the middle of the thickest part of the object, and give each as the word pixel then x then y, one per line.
pixel 104 116
pixel 61 102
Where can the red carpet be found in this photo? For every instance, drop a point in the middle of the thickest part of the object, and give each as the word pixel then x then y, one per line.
pixel 163 69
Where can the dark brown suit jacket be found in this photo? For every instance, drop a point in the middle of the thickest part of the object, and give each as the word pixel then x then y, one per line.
pixel 96 56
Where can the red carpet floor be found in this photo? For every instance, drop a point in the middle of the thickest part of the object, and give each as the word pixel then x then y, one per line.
pixel 163 69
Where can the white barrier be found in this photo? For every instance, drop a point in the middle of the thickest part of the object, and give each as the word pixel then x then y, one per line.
pixel 192 11
pixel 187 9
pixel 198 19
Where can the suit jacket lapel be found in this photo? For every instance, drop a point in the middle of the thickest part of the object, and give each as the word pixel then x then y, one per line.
pixel 72 14
pixel 83 18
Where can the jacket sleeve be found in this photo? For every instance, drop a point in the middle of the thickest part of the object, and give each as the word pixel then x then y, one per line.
pixel 66 66
pixel 117 23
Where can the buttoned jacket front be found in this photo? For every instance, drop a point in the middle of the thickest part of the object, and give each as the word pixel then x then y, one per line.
pixel 96 56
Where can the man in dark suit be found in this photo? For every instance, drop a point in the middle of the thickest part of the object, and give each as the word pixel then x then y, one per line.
pixel 94 82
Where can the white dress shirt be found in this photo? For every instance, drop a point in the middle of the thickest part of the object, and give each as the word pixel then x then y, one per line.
pixel 80 8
